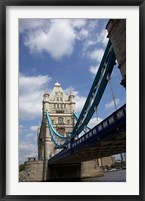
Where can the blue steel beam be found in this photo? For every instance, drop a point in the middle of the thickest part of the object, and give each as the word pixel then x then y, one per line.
pixel 76 117
pixel 110 64
pixel 93 88
pixel 109 130
pixel 51 126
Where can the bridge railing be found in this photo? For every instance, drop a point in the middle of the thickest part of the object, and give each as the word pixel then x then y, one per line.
pixel 108 128
pixel 100 130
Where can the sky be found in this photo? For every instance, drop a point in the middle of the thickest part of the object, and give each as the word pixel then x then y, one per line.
pixel 68 51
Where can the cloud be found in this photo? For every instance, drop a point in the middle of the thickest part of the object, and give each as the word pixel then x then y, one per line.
pixel 29 25
pixel 83 34
pixel 96 54
pixel 58 40
pixel 80 101
pixel 31 90
pixel 102 37
pixel 27 142
pixel 57 37
pixel 34 128
pixel 111 105
pixel 88 43
pixel 92 24
pixel 93 69
pixel 94 121
pixel 78 23
pixel 26 150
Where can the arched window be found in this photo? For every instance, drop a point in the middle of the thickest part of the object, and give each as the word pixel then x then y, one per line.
pixel 68 121
pixel 60 120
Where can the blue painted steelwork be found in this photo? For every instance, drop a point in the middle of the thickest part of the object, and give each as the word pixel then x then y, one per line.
pixel 107 129
pixel 62 139
pixel 76 117
pixel 51 126
pixel 115 119
pixel 97 88
pixel 93 99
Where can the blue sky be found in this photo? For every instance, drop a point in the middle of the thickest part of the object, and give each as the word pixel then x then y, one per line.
pixel 65 50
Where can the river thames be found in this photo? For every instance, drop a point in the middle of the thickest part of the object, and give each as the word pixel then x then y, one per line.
pixel 109 176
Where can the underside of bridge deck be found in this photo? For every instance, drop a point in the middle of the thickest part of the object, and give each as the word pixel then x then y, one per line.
pixel 108 146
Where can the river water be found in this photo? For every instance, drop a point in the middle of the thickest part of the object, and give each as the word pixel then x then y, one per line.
pixel 109 176
pixel 112 176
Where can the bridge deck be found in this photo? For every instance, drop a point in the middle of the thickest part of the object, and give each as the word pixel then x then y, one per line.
pixel 105 139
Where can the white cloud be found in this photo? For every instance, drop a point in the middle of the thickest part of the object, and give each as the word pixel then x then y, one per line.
pixel 26 150
pixel 88 43
pixel 94 121
pixel 27 25
pixel 92 24
pixel 96 54
pixel 78 23
pixel 102 37
pixel 111 105
pixel 93 69
pixel 34 128
pixel 27 142
pixel 58 40
pixel 57 37
pixel 31 90
pixel 80 101
pixel 83 34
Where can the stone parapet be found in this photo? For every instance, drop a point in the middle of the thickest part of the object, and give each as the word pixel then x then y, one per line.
pixel 33 171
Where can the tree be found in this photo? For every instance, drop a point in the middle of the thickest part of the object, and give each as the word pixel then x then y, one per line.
pixel 21 167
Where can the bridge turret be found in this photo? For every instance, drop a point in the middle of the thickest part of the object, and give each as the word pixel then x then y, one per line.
pixel 71 100
pixel 45 101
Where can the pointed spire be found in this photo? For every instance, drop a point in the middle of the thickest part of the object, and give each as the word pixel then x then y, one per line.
pixel 46 90
pixel 57 84
pixel 71 91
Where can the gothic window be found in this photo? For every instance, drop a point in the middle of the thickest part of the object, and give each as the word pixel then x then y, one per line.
pixel 60 98
pixel 68 121
pixel 60 120
pixel 57 98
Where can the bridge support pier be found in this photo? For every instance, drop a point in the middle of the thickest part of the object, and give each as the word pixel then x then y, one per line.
pixel 91 169
pixel 64 172
pixel 74 171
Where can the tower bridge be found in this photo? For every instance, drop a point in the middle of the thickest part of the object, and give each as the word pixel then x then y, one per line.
pixel 62 152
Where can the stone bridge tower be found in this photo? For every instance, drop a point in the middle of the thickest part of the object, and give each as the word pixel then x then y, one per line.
pixel 60 107
pixel 117 34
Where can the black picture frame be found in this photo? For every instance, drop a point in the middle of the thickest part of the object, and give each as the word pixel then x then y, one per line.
pixel 3 5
